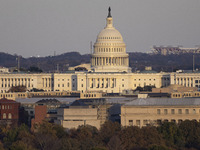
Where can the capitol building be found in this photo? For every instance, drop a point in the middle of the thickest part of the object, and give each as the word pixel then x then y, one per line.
pixel 109 71
pixel 110 50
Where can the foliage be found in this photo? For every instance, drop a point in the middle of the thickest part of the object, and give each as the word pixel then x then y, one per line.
pixel 34 69
pixel 111 136
pixel 138 61
pixel 145 88
pixel 17 89
pixel 36 90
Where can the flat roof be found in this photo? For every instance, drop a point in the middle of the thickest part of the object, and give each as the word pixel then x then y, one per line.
pixel 164 102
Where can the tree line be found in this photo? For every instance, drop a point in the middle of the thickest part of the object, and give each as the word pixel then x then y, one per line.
pixel 111 136
pixel 137 61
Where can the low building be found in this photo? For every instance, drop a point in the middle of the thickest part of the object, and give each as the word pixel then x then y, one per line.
pixel 187 78
pixel 40 116
pixel 83 112
pixel 4 70
pixel 185 94
pixel 174 88
pixel 9 111
pixel 153 111
pixel 81 66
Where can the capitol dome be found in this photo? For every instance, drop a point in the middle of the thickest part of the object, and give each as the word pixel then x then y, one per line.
pixel 110 33
pixel 109 53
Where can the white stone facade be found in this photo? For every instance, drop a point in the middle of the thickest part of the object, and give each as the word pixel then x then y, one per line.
pixel 109 73
pixel 110 51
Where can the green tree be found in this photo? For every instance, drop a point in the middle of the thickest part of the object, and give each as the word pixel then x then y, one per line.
pixel 17 89
pixel 108 130
pixel 171 134
pixel 35 69
pixel 191 133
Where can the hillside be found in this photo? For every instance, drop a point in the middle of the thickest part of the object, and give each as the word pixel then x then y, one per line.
pixel 137 61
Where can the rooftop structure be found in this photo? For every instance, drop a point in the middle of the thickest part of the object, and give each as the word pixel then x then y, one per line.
pixel 110 50
pixel 174 50
pixel 154 111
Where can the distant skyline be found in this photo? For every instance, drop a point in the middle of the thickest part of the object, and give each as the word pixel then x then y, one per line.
pixel 40 27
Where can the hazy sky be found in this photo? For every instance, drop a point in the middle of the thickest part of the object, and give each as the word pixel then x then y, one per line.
pixel 40 27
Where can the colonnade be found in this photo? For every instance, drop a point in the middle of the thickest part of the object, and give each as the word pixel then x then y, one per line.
pixel 46 82
pixel 101 82
pixel 188 82
pixel 110 61
pixel 10 82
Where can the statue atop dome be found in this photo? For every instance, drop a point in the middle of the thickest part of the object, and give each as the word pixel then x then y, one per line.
pixel 109 12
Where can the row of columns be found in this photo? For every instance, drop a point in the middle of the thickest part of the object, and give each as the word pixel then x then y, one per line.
pixel 110 61
pixel 185 82
pixel 8 82
pixel 102 82
pixel 46 82
pixel 109 50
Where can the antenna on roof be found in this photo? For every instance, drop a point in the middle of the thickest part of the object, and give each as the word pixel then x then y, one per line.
pixel 90 47
pixel 18 63
pixel 57 68
pixel 193 63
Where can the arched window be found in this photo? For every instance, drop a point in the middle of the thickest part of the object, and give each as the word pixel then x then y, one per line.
pixel 4 115
pixel 9 116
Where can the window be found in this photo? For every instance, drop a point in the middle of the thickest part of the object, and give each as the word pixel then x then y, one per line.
pixel 187 111
pixel 159 122
pixel 180 111
pixel 174 121
pixel 4 115
pixel 145 122
pixel 9 116
pixel 158 111
pixel 138 122
pixel 165 111
pixel 130 122
pixel 179 121
pixel 194 111
pixel 172 111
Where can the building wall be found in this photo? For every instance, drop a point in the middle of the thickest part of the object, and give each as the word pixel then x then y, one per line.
pixel 153 115
pixel 63 82
pixel 39 81
pixel 74 117
pixel 9 111
pixel 186 79
pixel 84 81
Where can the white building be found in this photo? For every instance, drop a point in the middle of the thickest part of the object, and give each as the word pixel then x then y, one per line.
pixel 110 71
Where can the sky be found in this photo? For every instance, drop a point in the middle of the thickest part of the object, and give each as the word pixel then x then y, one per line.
pixel 42 27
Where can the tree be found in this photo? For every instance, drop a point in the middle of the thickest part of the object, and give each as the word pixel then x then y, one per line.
pixel 17 89
pixel 115 143
pixel 108 130
pixel 191 133
pixel 36 90
pixel 35 69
